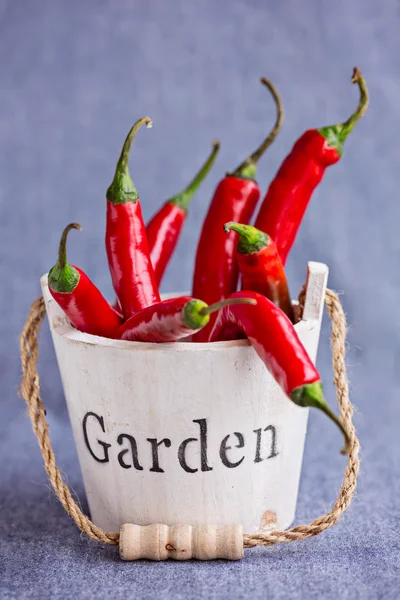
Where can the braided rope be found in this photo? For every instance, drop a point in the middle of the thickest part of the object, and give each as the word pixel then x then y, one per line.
pixel 30 389
pixel 31 393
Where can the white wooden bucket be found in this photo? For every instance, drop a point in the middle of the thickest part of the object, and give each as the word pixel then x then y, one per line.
pixel 184 433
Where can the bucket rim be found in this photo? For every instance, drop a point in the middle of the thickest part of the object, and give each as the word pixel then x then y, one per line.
pixel 61 326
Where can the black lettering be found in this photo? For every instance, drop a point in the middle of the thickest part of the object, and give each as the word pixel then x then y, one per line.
pixel 258 445
pixel 223 449
pixel 154 452
pixel 273 452
pixel 133 449
pixel 182 455
pixel 203 443
pixel 106 446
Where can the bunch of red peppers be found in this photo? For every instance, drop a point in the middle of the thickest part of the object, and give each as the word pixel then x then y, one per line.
pixel 229 249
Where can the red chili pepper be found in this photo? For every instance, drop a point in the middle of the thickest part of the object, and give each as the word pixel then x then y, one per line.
pixel 260 266
pixel 126 242
pixel 172 319
pixel 115 305
pixel 164 229
pixel 80 299
pixel 288 195
pixel 276 342
pixel 216 270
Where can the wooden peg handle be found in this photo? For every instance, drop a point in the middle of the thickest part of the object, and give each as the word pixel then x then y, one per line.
pixel 180 542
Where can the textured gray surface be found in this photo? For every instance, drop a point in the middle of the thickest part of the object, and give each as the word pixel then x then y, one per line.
pixel 74 76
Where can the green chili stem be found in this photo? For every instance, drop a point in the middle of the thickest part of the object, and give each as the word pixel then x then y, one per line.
pixel 250 239
pixel 62 249
pixel 184 197
pixel 122 188
pixel 325 408
pixel 122 163
pixel 207 310
pixel 311 394
pixel 252 160
pixel 348 125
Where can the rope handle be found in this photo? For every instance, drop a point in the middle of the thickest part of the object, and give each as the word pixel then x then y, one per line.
pixel 30 389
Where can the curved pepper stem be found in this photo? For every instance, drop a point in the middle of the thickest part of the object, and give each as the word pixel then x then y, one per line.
pixel 183 198
pixel 122 188
pixel 325 408
pixel 337 134
pixel 208 310
pixel 363 102
pixel 64 277
pixel 247 168
pixel 62 249
pixel 311 394
pixel 196 313
pixel 251 239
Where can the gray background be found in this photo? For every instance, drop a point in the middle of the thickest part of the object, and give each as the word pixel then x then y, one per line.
pixel 74 76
